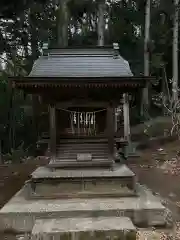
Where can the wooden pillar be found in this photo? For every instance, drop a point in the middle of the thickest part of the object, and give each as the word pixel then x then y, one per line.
pixel 52 118
pixel 1 161
pixel 110 130
pixel 115 120
pixel 36 109
pixel 138 97
pixel 126 117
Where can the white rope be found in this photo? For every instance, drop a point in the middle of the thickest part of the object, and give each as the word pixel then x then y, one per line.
pixel 85 121
pixel 93 112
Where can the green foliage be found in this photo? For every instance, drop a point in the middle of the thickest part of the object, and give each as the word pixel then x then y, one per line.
pixel 13 8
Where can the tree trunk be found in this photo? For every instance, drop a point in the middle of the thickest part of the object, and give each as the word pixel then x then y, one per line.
pixel 62 24
pixel 12 99
pixel 175 53
pixel 10 117
pixel 101 23
pixel 34 56
pixel 145 99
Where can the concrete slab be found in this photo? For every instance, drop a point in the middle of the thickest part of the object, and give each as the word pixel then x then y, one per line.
pixel 20 214
pixel 84 228
pixel 117 171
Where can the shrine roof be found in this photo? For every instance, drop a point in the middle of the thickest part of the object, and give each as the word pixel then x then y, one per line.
pixel 80 63
pixel 99 67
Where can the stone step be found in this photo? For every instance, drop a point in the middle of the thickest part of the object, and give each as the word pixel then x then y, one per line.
pixel 21 213
pixel 73 163
pixel 81 147
pixel 84 143
pixel 73 157
pixel 84 228
pixel 80 190
pixel 117 171
pixel 84 140
pixel 39 194
pixel 118 182
pixel 75 151
pixel 69 158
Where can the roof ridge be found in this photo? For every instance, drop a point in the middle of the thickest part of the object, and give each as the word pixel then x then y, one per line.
pixel 74 55
pixel 78 52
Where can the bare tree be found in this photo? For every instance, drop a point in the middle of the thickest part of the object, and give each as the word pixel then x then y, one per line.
pixel 173 111
pixel 172 108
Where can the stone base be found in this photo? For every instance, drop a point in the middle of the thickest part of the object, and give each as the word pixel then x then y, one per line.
pixel 53 194
pixel 131 152
pixel 20 214
pixel 118 182
pixel 73 163
pixel 119 171
pixel 84 228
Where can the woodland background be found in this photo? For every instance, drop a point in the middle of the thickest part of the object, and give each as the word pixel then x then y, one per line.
pixel 26 24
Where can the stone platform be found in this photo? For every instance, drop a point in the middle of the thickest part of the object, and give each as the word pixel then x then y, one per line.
pixel 87 183
pixel 72 163
pixel 117 171
pixel 84 228
pixel 20 213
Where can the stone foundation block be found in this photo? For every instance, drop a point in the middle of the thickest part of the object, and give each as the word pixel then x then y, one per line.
pixel 84 229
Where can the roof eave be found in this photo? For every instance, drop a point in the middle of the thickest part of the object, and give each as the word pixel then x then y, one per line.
pixel 80 81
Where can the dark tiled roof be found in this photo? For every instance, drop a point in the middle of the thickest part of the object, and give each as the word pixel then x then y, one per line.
pixel 67 63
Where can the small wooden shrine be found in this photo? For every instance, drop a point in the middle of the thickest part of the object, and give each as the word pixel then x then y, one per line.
pixel 83 89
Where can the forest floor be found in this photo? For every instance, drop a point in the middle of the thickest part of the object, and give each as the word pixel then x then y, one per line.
pixel 158 168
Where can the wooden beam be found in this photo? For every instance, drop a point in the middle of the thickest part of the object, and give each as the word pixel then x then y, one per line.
pixel 1 160
pixel 82 103
pixel 52 118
